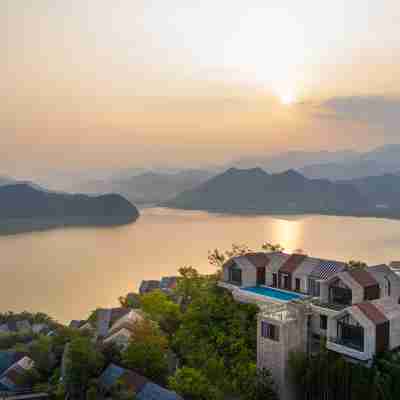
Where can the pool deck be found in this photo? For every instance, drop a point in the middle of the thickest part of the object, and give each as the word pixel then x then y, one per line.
pixel 244 296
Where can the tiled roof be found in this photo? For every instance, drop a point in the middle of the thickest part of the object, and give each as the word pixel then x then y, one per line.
pixel 134 381
pixel 259 260
pixel 111 375
pixel 372 312
pixel 363 277
pixel 118 313
pixel 168 282
pixel 126 325
pixel 325 269
pixel 151 391
pixel 141 386
pixel 8 358
pixel 76 324
pixel 292 263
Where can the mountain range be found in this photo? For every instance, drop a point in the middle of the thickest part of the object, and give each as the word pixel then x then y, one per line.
pixel 25 208
pixel 333 165
pixel 149 187
pixel 256 191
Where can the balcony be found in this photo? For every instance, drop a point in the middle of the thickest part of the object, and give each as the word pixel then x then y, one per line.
pixel 347 348
pixel 351 343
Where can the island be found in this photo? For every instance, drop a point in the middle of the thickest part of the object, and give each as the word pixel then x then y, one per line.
pixel 25 208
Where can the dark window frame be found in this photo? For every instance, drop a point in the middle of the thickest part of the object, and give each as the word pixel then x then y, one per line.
pixel 270 331
pixel 297 284
pixel 323 322
pixel 235 279
pixel 274 280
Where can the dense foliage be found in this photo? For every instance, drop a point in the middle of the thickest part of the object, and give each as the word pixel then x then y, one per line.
pixel 216 341
pixel 83 363
pixel 147 352
pixel 329 376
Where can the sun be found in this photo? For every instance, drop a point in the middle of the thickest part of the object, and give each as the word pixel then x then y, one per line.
pixel 287 99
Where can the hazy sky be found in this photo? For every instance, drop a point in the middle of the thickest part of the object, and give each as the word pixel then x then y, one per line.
pixel 110 83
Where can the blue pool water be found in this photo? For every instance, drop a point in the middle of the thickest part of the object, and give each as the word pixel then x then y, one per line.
pixel 274 293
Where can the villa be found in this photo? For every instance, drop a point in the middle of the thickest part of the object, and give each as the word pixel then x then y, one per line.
pixel 305 302
pixel 116 325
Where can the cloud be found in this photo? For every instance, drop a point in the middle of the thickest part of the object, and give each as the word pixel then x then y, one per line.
pixel 375 111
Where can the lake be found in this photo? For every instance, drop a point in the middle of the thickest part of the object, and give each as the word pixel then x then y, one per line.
pixel 69 272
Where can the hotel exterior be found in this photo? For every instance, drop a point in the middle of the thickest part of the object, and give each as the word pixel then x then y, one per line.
pixel 305 302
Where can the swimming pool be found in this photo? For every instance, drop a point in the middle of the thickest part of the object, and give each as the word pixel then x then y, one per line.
pixel 273 293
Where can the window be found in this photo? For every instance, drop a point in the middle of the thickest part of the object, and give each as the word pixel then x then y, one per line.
pixel 235 276
pixel 388 286
pixel 323 322
pixel 269 331
pixel 286 282
pixel 274 280
pixel 313 288
pixel 297 283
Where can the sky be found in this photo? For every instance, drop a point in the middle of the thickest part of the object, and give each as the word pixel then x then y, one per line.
pixel 89 84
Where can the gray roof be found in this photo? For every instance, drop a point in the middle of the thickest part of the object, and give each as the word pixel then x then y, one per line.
pixel 325 269
pixel 151 391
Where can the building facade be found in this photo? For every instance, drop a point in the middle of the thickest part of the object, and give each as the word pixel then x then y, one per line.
pixel 305 302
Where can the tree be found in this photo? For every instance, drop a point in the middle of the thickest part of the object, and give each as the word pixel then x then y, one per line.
pixel 162 309
pixel 83 363
pixel 131 300
pixel 217 336
pixel 192 285
pixel 254 384
pixel 270 247
pixel 91 393
pixel 147 352
pixel 356 265
pixel 41 353
pixel 192 384
pixel 218 258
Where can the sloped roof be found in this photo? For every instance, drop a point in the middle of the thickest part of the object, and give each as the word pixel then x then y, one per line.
pixel 151 391
pixel 144 389
pixel 76 324
pixel 325 269
pixel 168 282
pixel 111 375
pixel 372 312
pixel 363 277
pixel 118 313
pixel 8 358
pixel 259 260
pixel 292 263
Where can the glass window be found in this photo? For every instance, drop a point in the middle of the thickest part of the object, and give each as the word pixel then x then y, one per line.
pixel 323 322
pixel 269 331
pixel 235 276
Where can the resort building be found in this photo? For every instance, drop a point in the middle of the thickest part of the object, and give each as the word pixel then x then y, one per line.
pixel 116 325
pixel 305 302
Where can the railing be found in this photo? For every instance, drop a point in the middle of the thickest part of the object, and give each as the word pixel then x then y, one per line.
pixel 347 343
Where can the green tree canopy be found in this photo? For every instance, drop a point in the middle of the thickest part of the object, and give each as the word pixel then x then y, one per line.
pixel 147 352
pixel 162 309
pixel 83 363
pixel 192 384
pixel 271 247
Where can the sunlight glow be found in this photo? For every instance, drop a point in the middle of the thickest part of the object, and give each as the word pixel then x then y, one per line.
pixel 288 233
pixel 287 98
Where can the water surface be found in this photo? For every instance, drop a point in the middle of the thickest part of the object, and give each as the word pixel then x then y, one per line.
pixel 69 272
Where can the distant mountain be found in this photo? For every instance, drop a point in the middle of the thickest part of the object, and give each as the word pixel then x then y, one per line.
pixel 25 208
pixel 382 191
pixel 256 191
pixel 295 160
pixel 149 187
pixel 383 160
pixel 4 180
